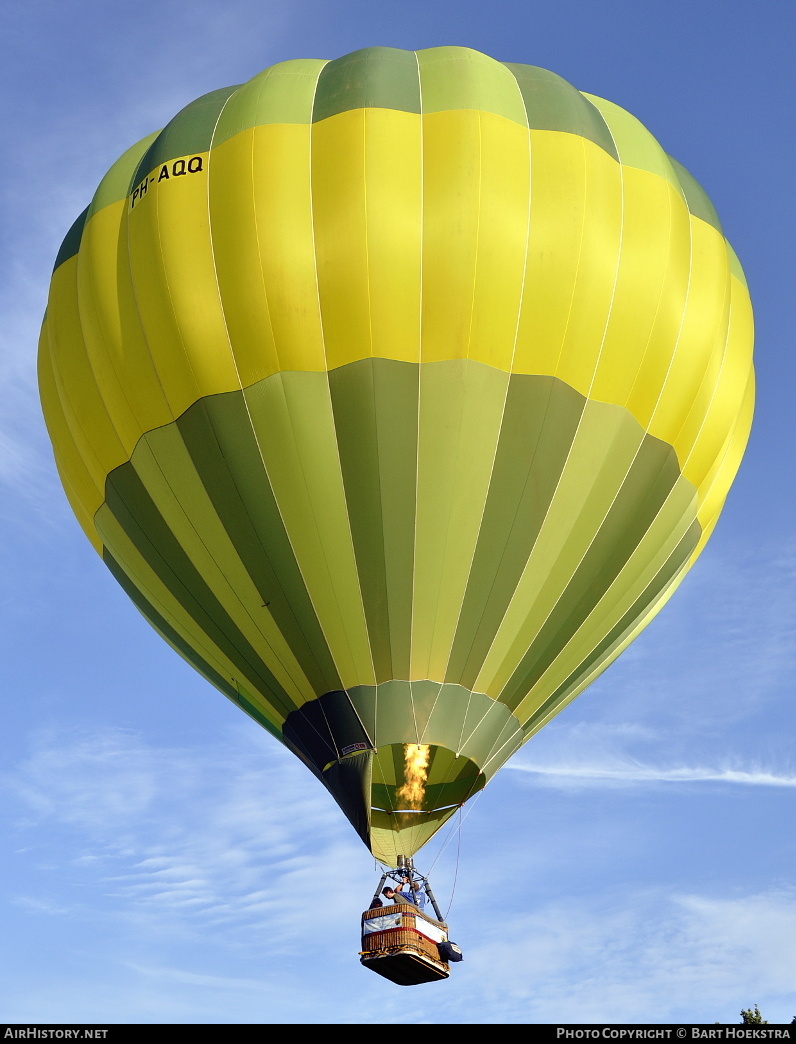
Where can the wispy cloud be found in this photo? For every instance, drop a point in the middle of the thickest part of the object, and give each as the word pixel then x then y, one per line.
pixel 215 873
pixel 639 957
pixel 216 837
pixel 635 772
pixel 594 751
pixel 223 883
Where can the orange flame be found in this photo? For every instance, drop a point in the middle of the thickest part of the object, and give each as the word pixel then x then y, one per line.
pixel 416 757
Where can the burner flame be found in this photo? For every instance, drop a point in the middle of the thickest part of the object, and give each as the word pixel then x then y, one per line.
pixel 416 756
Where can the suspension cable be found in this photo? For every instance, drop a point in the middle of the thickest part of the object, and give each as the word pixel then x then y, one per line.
pixel 456 871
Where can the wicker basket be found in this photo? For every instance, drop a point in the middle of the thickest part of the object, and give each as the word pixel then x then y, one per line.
pixel 403 949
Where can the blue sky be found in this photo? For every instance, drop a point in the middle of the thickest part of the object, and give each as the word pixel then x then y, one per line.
pixel 164 860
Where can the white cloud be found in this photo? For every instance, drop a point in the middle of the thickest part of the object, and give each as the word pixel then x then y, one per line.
pixel 634 772
pixel 591 750
pixel 217 890
pixel 644 957
pixel 164 832
pixel 217 883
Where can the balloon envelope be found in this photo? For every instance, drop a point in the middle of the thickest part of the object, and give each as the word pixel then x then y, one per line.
pixel 399 392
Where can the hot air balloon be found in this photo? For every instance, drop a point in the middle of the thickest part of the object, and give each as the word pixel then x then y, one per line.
pixel 399 392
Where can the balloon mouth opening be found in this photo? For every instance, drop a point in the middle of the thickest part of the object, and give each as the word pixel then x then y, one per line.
pixel 413 793
pixel 398 795
pixel 410 779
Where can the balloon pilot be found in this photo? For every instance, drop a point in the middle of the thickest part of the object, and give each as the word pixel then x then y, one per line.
pixel 410 892
pixel 413 888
